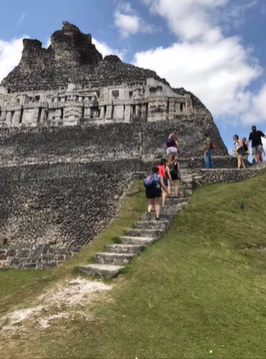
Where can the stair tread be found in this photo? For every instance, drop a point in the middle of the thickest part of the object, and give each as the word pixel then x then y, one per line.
pixel 124 245
pixel 151 230
pixel 104 270
pixel 102 266
pixel 138 240
pixel 137 237
pixel 154 222
pixel 111 254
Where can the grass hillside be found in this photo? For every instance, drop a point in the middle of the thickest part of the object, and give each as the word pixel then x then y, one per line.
pixel 199 292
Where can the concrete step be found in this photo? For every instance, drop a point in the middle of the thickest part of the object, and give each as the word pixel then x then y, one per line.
pixel 182 189
pixel 152 233
pixel 166 213
pixel 151 224
pixel 143 241
pixel 184 173
pixel 181 193
pixel 173 201
pixel 124 248
pixel 169 210
pixel 174 208
pixel 187 181
pixel 168 216
pixel 113 258
pixel 169 213
pixel 100 269
pixel 181 185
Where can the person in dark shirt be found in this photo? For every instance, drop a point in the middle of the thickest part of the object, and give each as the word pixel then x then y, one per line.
pixel 257 147
pixel 207 151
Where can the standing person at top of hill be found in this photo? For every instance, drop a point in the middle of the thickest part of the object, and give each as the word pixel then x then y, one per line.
pixel 257 147
pixel 172 146
pixel 245 146
pixel 207 151
pixel 239 151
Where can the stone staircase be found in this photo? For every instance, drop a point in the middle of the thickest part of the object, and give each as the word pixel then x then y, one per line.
pixel 144 232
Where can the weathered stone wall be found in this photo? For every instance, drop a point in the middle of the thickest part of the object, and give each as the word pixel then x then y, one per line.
pixel 205 176
pixel 109 142
pixel 219 161
pixel 49 212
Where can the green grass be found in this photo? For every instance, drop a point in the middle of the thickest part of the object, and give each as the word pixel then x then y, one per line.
pixel 197 293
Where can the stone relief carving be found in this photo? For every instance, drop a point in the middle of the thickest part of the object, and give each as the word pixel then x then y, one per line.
pixel 76 75
pixel 120 104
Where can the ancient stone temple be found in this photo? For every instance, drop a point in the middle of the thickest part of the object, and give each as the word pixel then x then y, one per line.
pixel 74 128
pixel 70 84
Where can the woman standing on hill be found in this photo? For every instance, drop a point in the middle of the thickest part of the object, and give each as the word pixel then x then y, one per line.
pixel 239 151
pixel 246 149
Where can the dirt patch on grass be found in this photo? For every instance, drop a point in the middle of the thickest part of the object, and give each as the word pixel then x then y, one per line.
pixel 60 302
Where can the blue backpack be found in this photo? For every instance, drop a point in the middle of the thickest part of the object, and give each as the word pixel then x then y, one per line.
pixel 150 181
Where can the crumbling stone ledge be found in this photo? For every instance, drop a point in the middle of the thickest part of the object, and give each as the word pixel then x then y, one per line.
pixel 223 175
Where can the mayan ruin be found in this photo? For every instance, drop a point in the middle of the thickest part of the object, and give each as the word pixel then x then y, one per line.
pixel 69 118
pixel 70 84
pixel 132 179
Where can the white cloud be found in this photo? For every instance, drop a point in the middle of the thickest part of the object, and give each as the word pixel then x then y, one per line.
pixel 216 68
pixel 105 50
pixel 128 22
pixel 259 102
pixel 256 113
pixel 48 43
pixel 189 19
pixel 217 75
pixel 10 54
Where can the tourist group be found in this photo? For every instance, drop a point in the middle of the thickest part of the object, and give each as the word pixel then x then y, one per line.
pixel 241 147
pixel 240 150
pixel 158 183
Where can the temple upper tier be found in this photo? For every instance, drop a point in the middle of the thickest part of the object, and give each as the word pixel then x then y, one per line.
pixel 70 83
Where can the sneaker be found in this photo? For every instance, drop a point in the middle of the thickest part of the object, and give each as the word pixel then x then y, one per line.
pixel 148 216
pixel 157 218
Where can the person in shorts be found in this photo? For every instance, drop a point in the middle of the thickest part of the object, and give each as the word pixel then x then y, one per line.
pixel 245 146
pixel 172 146
pixel 175 174
pixel 207 151
pixel 166 176
pixel 257 147
pixel 239 151
pixel 153 195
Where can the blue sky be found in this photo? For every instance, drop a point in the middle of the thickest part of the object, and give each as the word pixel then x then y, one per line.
pixel 213 48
